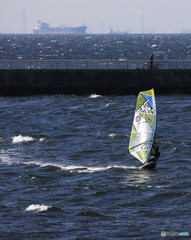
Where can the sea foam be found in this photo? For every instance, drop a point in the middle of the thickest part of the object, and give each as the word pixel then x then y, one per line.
pixel 38 208
pixel 78 168
pixel 19 139
pixel 94 96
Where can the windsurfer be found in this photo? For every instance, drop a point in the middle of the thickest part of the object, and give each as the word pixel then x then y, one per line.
pixel 155 154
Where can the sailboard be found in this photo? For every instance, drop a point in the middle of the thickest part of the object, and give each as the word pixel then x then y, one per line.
pixel 144 127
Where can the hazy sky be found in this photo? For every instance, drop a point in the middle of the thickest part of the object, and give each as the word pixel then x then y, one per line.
pixel 163 16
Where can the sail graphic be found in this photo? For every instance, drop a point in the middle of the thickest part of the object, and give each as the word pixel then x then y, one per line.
pixel 144 126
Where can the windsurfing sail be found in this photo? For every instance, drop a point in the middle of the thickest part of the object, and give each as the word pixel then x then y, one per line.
pixel 144 126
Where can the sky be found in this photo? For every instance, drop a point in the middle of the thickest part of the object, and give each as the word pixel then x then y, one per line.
pixel 161 16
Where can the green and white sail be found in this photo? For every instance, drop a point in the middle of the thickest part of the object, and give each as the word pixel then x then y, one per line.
pixel 144 126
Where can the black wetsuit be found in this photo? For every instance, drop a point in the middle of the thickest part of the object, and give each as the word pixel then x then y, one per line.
pixel 151 61
pixel 155 154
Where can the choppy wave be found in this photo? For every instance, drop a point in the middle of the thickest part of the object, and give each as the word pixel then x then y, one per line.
pixel 38 208
pixel 95 47
pixel 115 135
pixel 71 168
pixel 77 161
pixel 95 96
pixel 42 139
pixel 79 169
pixel 19 139
pixel 109 104
pixel 9 158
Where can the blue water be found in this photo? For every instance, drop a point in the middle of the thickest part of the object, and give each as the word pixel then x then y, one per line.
pixel 66 172
pixel 95 47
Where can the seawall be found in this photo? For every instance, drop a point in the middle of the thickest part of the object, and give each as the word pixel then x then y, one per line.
pixel 118 82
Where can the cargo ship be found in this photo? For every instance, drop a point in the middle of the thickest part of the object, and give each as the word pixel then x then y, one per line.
pixel 44 28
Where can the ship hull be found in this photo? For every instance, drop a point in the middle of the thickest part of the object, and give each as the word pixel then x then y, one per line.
pixel 68 30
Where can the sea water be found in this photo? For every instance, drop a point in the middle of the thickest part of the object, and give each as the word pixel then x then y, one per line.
pixel 95 47
pixel 65 169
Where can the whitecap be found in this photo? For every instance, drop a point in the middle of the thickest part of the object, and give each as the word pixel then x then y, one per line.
pixel 38 208
pixel 6 159
pixel 108 104
pixel 94 96
pixel 100 169
pixel 62 167
pixel 154 45
pixel 112 135
pixel 78 168
pixel 19 139
pixel 93 169
pixel 76 107
pixel 42 139
pixel 166 142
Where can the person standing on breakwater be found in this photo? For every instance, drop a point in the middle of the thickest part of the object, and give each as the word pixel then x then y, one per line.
pixel 151 61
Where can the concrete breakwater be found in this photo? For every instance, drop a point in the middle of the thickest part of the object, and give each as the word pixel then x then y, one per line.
pixel 119 82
